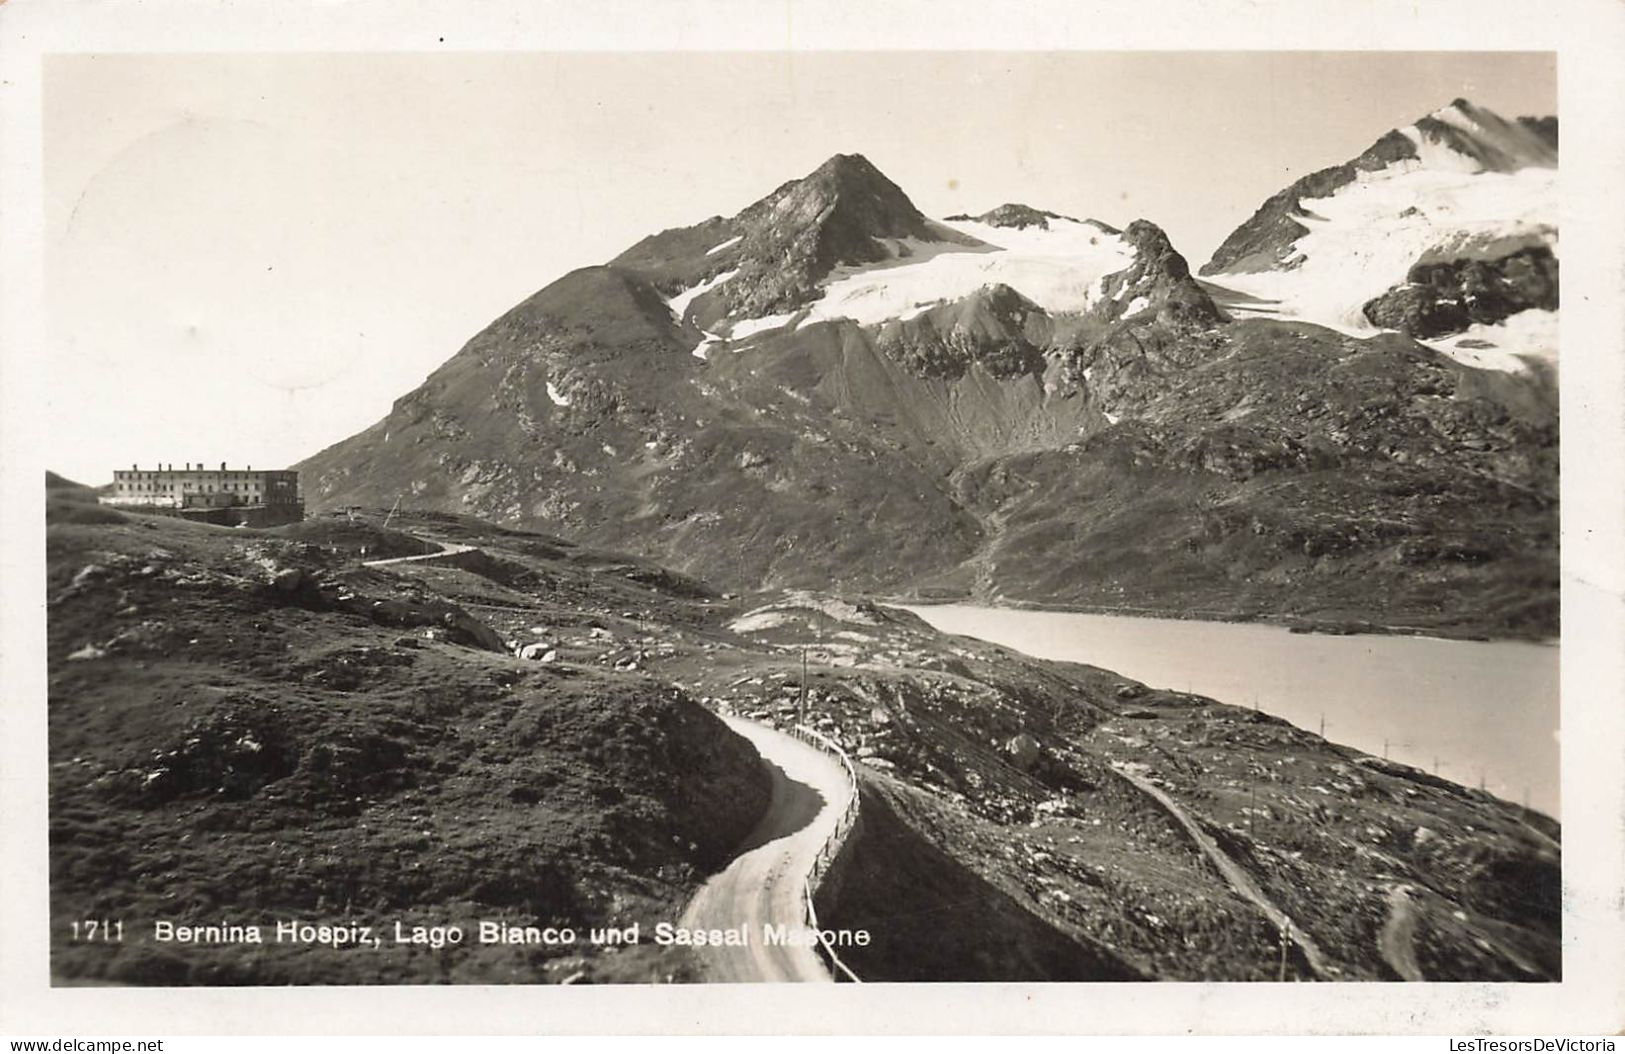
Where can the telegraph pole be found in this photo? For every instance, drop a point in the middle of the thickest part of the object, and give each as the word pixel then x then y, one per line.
pixel 802 706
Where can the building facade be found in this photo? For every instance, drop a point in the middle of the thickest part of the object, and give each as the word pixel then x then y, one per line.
pixel 196 487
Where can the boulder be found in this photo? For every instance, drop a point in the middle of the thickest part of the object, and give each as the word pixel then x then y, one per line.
pixel 539 652
pixel 1023 751
pixel 463 628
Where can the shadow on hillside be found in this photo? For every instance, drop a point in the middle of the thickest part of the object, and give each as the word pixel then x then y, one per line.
pixel 932 919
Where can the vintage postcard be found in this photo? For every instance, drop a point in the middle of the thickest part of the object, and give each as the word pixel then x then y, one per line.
pixel 978 521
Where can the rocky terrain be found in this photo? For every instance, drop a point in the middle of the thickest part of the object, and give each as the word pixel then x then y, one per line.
pixel 255 725
pixel 831 389
pixel 1447 296
pixel 1228 490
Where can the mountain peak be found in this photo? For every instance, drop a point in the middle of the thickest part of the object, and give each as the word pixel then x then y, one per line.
pixel 1460 137
pixel 855 164
pixel 1483 138
pixel 846 188
pixel 842 213
pixel 775 252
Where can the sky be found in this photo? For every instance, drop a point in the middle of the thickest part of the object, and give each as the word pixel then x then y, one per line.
pixel 250 256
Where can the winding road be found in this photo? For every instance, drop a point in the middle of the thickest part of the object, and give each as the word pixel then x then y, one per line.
pixel 764 883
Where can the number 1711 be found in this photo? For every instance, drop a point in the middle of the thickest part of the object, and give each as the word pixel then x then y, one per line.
pixel 97 930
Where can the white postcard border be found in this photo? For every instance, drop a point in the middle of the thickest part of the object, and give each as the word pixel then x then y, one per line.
pixel 1587 35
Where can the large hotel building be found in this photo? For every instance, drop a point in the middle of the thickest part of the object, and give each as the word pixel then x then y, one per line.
pixel 196 487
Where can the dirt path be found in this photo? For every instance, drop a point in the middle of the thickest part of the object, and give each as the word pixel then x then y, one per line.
pixel 1238 879
pixel 764 883
pixel 448 549
pixel 1397 941
pixel 1398 938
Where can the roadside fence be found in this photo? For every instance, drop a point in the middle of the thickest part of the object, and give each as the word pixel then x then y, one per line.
pixel 832 845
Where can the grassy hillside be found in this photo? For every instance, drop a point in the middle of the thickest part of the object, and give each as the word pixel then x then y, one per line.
pixel 248 727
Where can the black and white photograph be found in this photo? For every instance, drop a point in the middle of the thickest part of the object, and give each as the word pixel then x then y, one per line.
pixel 637 518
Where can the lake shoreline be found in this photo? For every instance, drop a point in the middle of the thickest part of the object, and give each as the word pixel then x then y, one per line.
pixel 1477 712
pixel 1300 624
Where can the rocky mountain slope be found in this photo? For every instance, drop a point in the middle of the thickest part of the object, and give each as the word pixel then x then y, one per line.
pixel 254 725
pixel 831 388
pixel 1444 229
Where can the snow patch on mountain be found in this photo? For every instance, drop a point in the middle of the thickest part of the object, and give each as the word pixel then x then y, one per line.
pixel 558 397
pixel 749 327
pixel 679 303
pixel 702 350
pixel 1365 237
pixel 730 242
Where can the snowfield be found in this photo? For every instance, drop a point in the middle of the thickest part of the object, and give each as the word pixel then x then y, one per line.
pixel 1531 334
pixel 1059 269
pixel 1363 240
